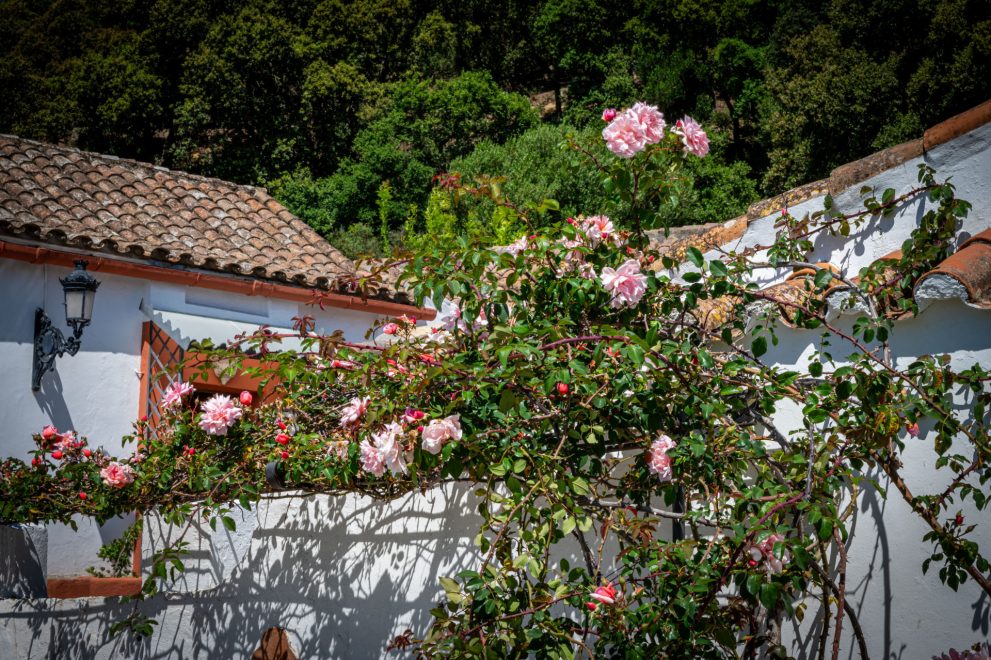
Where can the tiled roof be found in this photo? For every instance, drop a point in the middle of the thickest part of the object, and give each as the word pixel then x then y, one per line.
pixel 101 203
pixel 966 274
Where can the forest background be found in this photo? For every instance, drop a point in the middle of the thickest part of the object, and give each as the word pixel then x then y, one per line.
pixel 348 111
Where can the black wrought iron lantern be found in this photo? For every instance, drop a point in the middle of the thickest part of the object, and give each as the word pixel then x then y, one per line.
pixel 79 288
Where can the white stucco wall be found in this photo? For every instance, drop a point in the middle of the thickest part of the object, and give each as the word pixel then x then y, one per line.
pixel 96 392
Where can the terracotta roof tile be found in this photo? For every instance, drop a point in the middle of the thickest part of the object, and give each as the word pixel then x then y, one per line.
pixel 966 274
pixel 56 194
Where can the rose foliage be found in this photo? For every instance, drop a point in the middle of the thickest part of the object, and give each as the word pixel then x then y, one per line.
pixel 638 494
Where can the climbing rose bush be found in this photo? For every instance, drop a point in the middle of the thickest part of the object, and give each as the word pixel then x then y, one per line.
pixel 573 379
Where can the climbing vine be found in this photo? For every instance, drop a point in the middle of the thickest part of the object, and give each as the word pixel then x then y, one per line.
pixel 640 492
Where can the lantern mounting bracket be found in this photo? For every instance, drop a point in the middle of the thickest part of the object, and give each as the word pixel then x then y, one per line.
pixel 49 342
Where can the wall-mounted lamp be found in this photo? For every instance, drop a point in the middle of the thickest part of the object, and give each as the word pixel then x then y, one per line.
pixel 49 342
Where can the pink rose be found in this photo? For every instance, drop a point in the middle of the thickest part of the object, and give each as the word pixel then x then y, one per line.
pixel 604 594
pixel 387 443
pixel 371 459
pixel 440 430
pixel 658 460
pixel 219 414
pixel 390 328
pixel 608 114
pixel 913 429
pixel 624 136
pixel 117 475
pixel 352 413
pixel 764 551
pixel 67 440
pixel 49 432
pixel 246 398
pixel 692 135
pixel 596 228
pixel 626 284
pixel 651 121
pixel 517 246
pixel 174 394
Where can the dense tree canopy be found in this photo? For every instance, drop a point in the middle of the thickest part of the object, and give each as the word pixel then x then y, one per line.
pixel 328 101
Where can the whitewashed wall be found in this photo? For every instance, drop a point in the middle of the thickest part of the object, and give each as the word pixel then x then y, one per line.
pixel 904 613
pixel 96 392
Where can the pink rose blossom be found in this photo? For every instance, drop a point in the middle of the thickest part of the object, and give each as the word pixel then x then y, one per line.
pixel 67 441
pixel 174 394
pixel 913 429
pixel 352 413
pixel 596 228
pixel 219 414
pixel 627 284
pixel 692 135
pixel 624 136
pixel 764 551
pixel 49 432
pixel 608 114
pixel 246 398
pixel 371 459
pixel 117 475
pixel 517 246
pixel 651 121
pixel 390 328
pixel 384 451
pixel 977 652
pixel 387 442
pixel 658 460
pixel 338 449
pixel 605 595
pixel 440 430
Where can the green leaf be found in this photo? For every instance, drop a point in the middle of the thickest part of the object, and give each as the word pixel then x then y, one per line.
pixel 823 278
pixel 759 346
pixel 695 256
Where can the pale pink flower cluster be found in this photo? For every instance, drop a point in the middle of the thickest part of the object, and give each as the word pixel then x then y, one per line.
pixel 338 449
pixel 692 136
pixel 390 328
pixel 978 652
pixel 629 132
pixel 627 284
pixel 658 460
pixel 517 246
pixel 764 551
pixel 437 432
pixel 352 413
pixel 453 321
pixel 597 228
pixel 384 451
pixel 219 414
pixel 175 393
pixel 117 475
pixel 67 441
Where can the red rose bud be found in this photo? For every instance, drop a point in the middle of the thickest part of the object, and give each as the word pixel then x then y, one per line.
pixel 608 114
pixel 87 453
pixel 82 496
pixel 282 439
pixel 562 388
pixel 36 461
pixel 144 418
pixel 246 398
pixel 280 424
pixel 285 455
pixel 959 519
pixel 419 429
pixel 57 454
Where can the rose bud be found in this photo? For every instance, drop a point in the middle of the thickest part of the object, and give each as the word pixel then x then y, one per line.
pixel 282 439
pixel 280 424
pixel 82 496
pixel 390 328
pixel 285 455
pixel 57 454
pixel 49 432
pixel 959 519
pixel 562 388
pixel 87 453
pixel 246 398
pixel 608 114
pixel 144 418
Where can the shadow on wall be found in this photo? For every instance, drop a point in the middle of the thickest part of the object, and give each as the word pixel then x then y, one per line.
pixel 342 575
